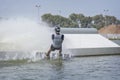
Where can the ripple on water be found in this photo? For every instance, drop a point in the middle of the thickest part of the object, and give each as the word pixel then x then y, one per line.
pixel 82 68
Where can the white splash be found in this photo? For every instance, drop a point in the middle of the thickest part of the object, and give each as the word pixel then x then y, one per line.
pixel 24 34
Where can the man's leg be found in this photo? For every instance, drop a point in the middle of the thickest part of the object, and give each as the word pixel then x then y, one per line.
pixel 48 53
pixel 60 51
pixel 51 49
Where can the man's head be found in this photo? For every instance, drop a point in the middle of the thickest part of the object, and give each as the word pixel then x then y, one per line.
pixel 57 29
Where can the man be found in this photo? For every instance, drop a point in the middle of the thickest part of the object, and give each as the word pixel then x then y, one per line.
pixel 57 39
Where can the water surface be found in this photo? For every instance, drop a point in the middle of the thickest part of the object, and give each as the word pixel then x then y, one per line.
pixel 81 68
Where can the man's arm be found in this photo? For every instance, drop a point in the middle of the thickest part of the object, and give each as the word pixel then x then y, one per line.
pixel 52 36
pixel 62 37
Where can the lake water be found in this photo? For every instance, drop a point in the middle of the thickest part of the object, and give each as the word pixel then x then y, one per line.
pixel 75 68
pixel 78 68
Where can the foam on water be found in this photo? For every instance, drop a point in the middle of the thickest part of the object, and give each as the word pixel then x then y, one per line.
pixel 30 56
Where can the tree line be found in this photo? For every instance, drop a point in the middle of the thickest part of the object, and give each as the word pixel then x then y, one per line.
pixel 79 20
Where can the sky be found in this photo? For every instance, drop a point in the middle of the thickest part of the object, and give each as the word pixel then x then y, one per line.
pixel 27 8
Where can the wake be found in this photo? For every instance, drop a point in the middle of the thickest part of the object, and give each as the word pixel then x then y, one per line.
pixel 53 55
pixel 30 56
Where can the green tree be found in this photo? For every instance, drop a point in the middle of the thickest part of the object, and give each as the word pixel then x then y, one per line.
pixel 110 20
pixel 85 21
pixel 48 18
pixel 77 18
pixel 99 21
pixel 74 20
pixel 54 20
